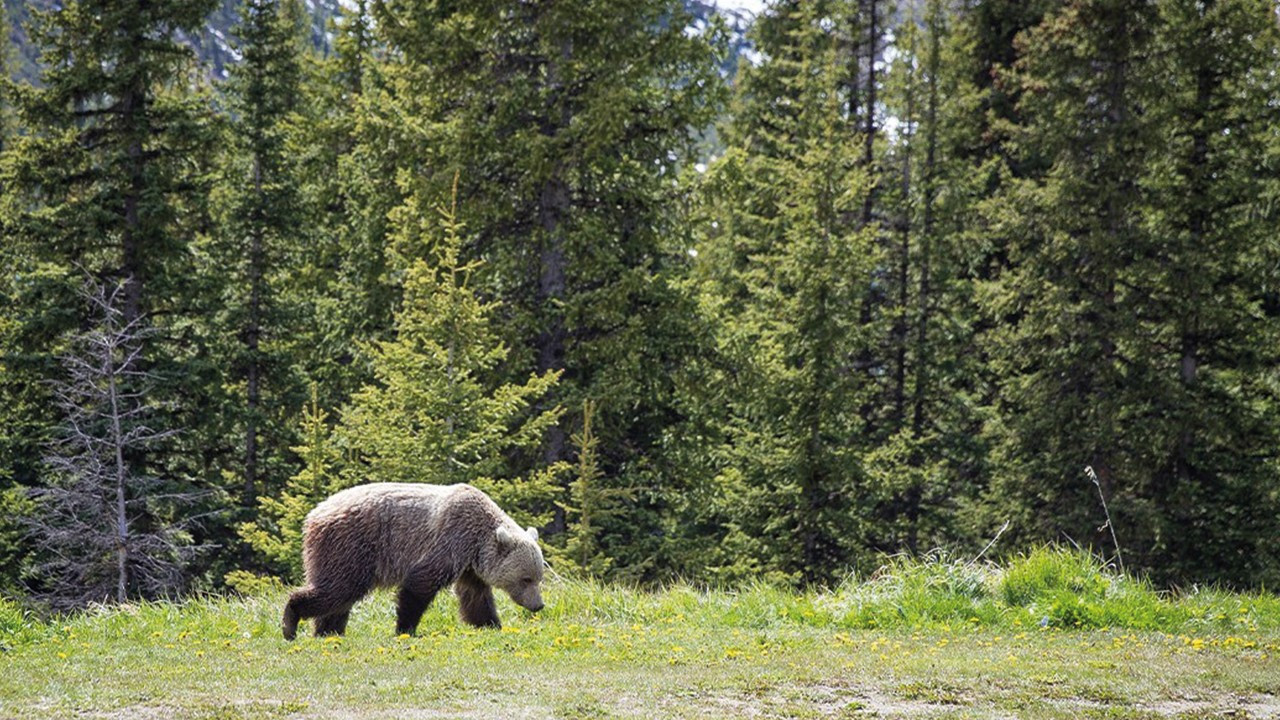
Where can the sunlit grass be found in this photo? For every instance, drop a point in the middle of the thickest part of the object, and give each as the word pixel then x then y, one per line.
pixel 1052 634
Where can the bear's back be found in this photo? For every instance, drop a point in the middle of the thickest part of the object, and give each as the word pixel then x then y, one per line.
pixel 381 498
pixel 395 525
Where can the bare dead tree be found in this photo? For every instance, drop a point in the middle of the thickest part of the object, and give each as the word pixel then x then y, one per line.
pixel 99 528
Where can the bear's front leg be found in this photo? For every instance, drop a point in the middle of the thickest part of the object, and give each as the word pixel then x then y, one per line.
pixel 416 593
pixel 475 601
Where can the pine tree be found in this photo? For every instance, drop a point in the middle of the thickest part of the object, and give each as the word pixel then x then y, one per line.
pixel 590 506
pixel 440 411
pixel 108 179
pixel 790 262
pixel 570 121
pixel 263 227
pixel 277 533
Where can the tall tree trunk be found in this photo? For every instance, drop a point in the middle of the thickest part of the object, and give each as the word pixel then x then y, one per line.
pixel 117 443
pixel 1118 232
pixel 869 116
pixel 133 236
pixel 904 253
pixel 922 356
pixel 1198 192
pixel 867 358
pixel 553 208
pixel 133 110
pixel 253 335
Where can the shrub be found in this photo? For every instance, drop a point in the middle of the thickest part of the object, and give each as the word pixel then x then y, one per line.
pixel 1045 573
pixel 17 625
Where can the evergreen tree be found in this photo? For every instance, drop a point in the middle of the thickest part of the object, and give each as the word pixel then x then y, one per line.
pixel 264 224
pixel 790 263
pixel 1209 493
pixel 15 409
pixel 570 121
pixel 116 124
pixel 967 155
pixel 590 506
pixel 1066 311
pixel 1129 321
pixel 347 145
pixel 107 180
pixel 439 410
pixel 922 424
pixel 277 532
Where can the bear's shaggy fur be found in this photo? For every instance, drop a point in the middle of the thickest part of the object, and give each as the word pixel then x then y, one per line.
pixel 421 538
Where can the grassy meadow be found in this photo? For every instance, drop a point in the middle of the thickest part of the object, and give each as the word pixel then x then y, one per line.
pixel 1051 635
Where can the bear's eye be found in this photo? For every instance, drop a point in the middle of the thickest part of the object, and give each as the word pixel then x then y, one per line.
pixel 527 580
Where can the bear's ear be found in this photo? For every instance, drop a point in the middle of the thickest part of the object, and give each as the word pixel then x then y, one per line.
pixel 533 533
pixel 506 538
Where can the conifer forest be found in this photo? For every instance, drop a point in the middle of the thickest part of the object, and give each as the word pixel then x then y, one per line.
pixel 704 294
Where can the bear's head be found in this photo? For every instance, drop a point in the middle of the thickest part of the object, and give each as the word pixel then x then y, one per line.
pixel 516 567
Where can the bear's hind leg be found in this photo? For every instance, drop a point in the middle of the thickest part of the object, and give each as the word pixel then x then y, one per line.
pixel 475 601
pixel 289 624
pixel 311 601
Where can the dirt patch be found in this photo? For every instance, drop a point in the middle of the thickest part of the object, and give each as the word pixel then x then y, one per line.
pixel 1253 707
pixel 833 701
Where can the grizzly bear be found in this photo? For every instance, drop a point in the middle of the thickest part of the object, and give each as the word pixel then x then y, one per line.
pixel 421 538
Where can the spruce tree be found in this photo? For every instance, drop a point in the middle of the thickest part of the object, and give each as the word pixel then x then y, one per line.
pixel 920 406
pixel 346 148
pixel 590 506
pixel 264 226
pixel 439 409
pixel 570 121
pixel 790 263
pixel 116 125
pixel 1129 320
pixel 108 180
pixel 1210 491
pixel 1066 311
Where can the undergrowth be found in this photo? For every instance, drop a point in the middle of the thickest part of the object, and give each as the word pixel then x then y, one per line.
pixel 1047 589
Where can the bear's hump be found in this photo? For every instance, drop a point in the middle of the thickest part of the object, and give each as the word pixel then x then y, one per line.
pixel 396 498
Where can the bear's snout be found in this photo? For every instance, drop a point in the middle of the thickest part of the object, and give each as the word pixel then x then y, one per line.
pixel 531 601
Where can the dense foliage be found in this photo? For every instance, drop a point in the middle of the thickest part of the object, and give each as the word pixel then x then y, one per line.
pixel 913 277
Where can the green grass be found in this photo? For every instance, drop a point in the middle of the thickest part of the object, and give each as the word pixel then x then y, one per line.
pixel 1050 636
